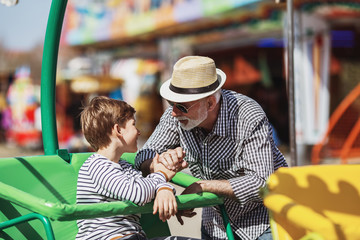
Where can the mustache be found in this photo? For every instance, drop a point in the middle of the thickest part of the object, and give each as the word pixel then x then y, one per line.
pixel 182 118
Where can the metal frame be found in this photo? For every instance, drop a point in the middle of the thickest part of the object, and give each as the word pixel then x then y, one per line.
pixel 291 93
pixel 48 76
pixel 29 217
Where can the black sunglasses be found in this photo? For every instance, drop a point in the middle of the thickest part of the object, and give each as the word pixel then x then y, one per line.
pixel 181 107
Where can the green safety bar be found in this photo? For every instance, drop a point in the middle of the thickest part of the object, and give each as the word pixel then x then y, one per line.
pixel 31 216
pixel 67 212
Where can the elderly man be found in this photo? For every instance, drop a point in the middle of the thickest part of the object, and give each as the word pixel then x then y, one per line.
pixel 225 139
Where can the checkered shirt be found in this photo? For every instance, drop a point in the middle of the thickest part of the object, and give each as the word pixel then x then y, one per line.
pixel 240 148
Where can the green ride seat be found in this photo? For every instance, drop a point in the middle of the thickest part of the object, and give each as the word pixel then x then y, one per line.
pixel 45 177
pixel 46 185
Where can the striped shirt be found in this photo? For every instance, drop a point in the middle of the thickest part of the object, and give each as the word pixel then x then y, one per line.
pixel 240 148
pixel 101 180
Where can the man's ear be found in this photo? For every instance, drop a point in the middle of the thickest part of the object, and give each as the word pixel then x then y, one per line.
pixel 211 103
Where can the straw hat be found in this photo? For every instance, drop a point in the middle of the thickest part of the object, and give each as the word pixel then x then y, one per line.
pixel 193 78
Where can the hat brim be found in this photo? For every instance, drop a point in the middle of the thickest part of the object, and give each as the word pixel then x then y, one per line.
pixel 171 96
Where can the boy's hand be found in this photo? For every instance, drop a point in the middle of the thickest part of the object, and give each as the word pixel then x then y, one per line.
pixel 165 203
pixel 173 159
pixel 159 167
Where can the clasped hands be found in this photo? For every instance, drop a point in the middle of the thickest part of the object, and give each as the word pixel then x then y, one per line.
pixel 171 162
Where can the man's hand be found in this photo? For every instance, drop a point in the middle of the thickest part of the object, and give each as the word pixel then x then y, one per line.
pixel 193 188
pixel 184 213
pixel 165 203
pixel 219 187
pixel 173 159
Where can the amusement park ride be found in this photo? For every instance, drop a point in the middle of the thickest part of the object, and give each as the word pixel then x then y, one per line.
pixel 43 187
pixel 38 193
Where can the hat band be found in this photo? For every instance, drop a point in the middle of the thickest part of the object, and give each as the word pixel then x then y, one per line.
pixel 205 89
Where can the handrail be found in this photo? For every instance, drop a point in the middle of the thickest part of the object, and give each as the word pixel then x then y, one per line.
pixel 29 217
pixel 48 76
pixel 66 212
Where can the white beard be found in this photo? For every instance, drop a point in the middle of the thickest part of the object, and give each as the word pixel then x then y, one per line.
pixel 192 123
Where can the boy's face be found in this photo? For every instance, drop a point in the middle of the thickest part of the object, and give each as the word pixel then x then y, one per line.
pixel 130 135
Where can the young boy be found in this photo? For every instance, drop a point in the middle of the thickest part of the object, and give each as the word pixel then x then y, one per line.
pixel 109 127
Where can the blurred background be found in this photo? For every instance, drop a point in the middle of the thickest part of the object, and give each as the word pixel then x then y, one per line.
pixel 125 49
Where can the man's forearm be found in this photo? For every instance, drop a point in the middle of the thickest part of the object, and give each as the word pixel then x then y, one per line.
pixel 147 167
pixel 219 187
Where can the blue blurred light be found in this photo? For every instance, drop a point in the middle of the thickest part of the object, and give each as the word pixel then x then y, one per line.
pixel 339 39
pixel 342 39
pixel 270 43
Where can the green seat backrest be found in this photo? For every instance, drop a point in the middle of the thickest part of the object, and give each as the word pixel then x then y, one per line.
pixel 48 177
pixel 51 178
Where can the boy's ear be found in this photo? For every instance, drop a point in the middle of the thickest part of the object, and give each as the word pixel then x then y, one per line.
pixel 117 129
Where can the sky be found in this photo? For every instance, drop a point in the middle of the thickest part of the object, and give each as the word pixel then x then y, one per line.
pixel 23 26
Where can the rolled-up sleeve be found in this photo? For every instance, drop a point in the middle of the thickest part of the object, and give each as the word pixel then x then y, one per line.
pixel 257 162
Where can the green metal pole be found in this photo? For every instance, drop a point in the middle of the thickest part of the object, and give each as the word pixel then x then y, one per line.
pixel 226 220
pixel 48 76
pixel 31 216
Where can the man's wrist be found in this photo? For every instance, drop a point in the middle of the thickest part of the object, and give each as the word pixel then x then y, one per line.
pixel 147 167
pixel 203 185
pixel 220 187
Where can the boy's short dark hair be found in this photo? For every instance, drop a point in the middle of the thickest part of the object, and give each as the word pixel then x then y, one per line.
pixel 98 118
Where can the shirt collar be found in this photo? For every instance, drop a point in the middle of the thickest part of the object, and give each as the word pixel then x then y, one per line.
pixel 220 127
